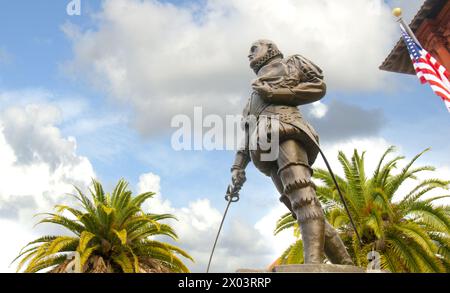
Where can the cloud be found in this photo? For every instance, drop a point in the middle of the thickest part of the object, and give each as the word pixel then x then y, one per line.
pixel 266 226
pixel 375 148
pixel 32 134
pixel 94 127
pixel 240 245
pixel 338 121
pixel 38 167
pixel 15 236
pixel 152 55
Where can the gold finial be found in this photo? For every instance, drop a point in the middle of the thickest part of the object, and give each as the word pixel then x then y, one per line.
pixel 397 12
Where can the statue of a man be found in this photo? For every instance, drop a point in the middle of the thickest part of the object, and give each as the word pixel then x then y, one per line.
pixel 281 85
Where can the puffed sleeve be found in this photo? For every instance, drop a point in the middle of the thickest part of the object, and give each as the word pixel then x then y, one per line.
pixel 305 84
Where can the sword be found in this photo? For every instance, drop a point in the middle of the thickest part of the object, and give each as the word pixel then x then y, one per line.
pixel 232 195
pixel 341 196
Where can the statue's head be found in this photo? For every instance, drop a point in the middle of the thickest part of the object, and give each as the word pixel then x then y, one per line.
pixel 261 52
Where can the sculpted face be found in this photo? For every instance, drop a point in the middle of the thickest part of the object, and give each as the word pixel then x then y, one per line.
pixel 261 52
pixel 258 51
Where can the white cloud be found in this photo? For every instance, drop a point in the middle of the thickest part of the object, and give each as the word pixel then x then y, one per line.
pixel 197 227
pixel 15 236
pixel 266 226
pixel 375 148
pixel 38 167
pixel 318 109
pixel 155 55
pixel 36 161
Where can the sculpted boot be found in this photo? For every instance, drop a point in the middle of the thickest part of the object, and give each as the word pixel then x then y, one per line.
pixel 313 240
pixel 334 247
pixel 295 175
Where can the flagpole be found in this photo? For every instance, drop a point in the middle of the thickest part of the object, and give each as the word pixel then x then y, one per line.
pixel 397 12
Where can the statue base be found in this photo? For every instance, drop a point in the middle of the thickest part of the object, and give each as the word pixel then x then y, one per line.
pixel 312 268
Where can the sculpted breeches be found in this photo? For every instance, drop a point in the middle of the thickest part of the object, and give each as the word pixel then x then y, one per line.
pixel 297 189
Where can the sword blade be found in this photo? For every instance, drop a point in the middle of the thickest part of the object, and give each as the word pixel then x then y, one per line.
pixel 218 232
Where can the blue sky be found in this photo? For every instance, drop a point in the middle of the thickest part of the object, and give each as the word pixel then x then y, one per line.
pixel 50 58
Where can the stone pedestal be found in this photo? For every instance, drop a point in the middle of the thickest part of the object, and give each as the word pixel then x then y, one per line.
pixel 318 268
pixel 311 268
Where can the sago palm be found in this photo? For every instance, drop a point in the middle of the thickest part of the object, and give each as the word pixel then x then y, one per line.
pixel 111 233
pixel 411 234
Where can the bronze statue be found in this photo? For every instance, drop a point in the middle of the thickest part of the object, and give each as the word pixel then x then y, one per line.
pixel 281 85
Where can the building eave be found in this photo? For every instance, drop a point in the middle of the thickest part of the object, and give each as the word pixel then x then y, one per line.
pixel 398 59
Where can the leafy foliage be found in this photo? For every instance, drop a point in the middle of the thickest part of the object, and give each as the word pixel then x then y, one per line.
pixel 411 235
pixel 111 233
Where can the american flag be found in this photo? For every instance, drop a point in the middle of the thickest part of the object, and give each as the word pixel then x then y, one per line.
pixel 428 69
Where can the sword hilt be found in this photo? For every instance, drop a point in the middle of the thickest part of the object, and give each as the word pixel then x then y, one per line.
pixel 232 194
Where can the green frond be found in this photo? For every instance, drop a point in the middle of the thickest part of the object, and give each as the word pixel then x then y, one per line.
pixel 86 253
pixel 136 266
pixel 434 217
pixel 168 258
pixel 138 200
pixel 113 227
pixel 443 244
pixel 107 210
pixel 293 254
pixel 286 221
pixel 149 244
pixel 124 200
pixel 386 171
pixel 375 222
pixel 63 221
pixel 151 230
pixel 61 208
pixel 384 203
pixel 90 222
pixel 400 249
pixel 42 239
pixel 98 194
pixel 325 177
pixel 60 243
pixel 118 192
pixel 439 183
pixel 122 235
pixel 389 262
pixel 412 234
pixel 137 222
pixel 85 201
pixel 124 262
pixel 397 180
pixel 46 263
pixel 415 233
pixel 29 254
pixel 389 150
pixel 431 199
pixel 337 218
pixel 159 217
pixel 85 238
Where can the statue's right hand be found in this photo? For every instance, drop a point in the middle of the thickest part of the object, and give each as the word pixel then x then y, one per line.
pixel 238 178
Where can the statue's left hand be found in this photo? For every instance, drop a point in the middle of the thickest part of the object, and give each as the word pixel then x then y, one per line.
pixel 263 89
